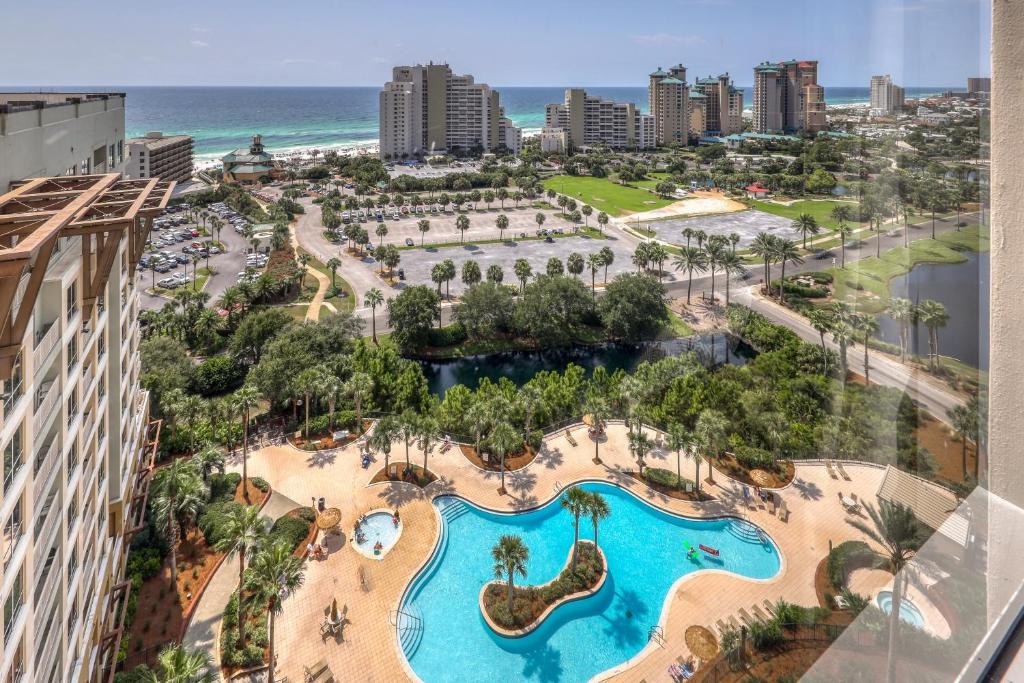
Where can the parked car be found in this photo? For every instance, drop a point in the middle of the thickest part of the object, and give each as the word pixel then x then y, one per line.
pixel 409 242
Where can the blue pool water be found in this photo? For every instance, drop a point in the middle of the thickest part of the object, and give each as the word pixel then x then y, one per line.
pixel 379 526
pixel 909 614
pixel 446 639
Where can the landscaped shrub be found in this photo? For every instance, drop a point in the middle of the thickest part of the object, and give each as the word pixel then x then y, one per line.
pixel 292 530
pixel 144 563
pixel 308 514
pixel 217 375
pixel 797 289
pixel 450 335
pixel 260 483
pixel 766 635
pixel 222 486
pixel 821 278
pixel 663 477
pixel 211 521
pixel 752 457
pixel 321 424
pixel 846 557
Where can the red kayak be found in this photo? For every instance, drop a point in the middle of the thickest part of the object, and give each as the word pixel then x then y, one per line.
pixel 710 551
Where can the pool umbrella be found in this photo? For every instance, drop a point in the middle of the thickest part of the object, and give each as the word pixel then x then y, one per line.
pixel 334 610
pixel 702 643
pixel 761 477
pixel 588 419
pixel 329 518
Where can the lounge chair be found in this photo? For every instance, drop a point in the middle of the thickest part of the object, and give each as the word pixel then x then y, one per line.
pixel 748 499
pixel 732 622
pixel 831 472
pixel 759 614
pixel 745 616
pixel 722 626
pixel 688 487
pixel 842 472
pixel 569 438
pixel 771 503
pixel 768 606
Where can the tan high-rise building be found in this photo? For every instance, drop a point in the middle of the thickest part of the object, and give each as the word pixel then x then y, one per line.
pixel 168 157
pixel 886 96
pixel 668 97
pixel 721 106
pixel 73 416
pixel 427 108
pixel 591 120
pixel 787 97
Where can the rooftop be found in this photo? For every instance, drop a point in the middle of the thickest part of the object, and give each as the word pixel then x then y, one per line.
pixel 19 101
pixel 155 141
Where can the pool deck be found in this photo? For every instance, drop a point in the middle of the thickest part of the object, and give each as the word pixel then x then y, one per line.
pixel 368 649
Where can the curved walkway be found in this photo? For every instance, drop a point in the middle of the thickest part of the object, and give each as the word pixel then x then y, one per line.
pixel 204 628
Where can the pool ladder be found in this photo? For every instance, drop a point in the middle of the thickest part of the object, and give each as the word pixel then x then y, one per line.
pixel 657 634
pixel 557 487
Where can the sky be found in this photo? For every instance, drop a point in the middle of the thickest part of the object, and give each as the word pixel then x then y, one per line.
pixel 521 43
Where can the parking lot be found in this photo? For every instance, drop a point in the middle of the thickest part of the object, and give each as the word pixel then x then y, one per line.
pixel 747 224
pixel 174 241
pixel 417 263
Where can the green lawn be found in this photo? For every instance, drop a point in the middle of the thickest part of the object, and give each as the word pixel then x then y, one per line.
pixel 341 303
pixel 676 327
pixel 604 195
pixel 820 209
pixel 866 282
pixel 652 180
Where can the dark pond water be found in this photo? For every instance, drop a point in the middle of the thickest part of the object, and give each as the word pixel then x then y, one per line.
pixel 963 289
pixel 520 366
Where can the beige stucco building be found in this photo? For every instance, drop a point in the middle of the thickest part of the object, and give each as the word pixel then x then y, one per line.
pixel 787 97
pixel 668 99
pixel 163 156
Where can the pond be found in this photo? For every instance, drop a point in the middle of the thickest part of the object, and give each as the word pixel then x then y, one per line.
pixel 521 366
pixel 963 289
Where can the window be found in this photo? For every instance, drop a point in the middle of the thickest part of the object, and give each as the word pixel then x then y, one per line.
pixel 72 460
pixel 13 386
pixel 14 458
pixel 13 531
pixel 44 573
pixel 17 670
pixel 14 602
pixel 120 151
pixel 72 406
pixel 44 509
pixel 72 352
pixel 72 300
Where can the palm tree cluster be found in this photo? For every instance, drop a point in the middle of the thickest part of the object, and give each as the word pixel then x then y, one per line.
pixel 930 313
pixel 714 253
pixel 579 502
pixel 774 249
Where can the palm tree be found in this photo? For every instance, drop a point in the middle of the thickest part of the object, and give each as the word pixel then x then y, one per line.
pixel 246 399
pixel 731 264
pixel 180 664
pixel 607 258
pixel 575 501
pixel 764 246
pixel 806 224
pixel 710 431
pixel 274 573
pixel 333 264
pixel 179 496
pixel 965 422
pixel 902 311
pixel 408 427
pixel 424 228
pixel 523 270
pixel 934 316
pixel 594 262
pixel 821 321
pixel 374 298
pixel 360 387
pixel 207 460
pixel 597 509
pixel 866 325
pixel 501 222
pixel 843 335
pixel 602 219
pixel 502 440
pixel 462 225
pixel 384 433
pixel 478 417
pixel 586 210
pixel 575 264
pixel 510 556
pixel 678 440
pixel 428 434
pixel 242 533
pixel 639 445
pixel 786 252
pixel 894 527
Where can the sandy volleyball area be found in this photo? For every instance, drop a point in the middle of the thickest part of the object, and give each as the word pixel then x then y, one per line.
pixel 700 202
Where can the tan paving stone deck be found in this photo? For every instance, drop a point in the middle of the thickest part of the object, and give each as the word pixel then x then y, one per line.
pixel 368 649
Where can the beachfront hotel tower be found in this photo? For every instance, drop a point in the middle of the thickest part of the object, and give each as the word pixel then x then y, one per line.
pixel 74 420
pixel 787 97
pixel 717 105
pixel 886 96
pixel 428 109
pixel 668 100
pixel 590 120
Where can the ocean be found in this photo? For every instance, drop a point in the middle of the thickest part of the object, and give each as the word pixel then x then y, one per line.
pixel 295 119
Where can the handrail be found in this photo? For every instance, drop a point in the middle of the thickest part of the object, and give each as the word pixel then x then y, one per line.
pixel 657 634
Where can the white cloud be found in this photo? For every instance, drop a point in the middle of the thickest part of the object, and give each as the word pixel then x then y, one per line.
pixel 200 43
pixel 298 60
pixel 666 39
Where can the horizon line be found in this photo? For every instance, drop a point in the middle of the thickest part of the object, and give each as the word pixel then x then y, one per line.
pixel 96 88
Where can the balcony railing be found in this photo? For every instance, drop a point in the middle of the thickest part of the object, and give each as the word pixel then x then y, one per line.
pixel 12 536
pixel 47 396
pixel 45 344
pixel 47 462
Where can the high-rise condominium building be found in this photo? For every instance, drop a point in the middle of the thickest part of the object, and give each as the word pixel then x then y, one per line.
pixel 590 120
pixel 509 134
pixel 979 84
pixel 168 157
pixel 668 99
pixel 886 96
pixel 721 106
pixel 74 422
pixel 428 109
pixel 787 97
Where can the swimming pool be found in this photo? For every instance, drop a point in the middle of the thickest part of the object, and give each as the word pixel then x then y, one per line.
pixel 445 638
pixel 909 613
pixel 378 527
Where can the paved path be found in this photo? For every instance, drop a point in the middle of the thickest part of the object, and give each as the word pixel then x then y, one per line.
pixel 204 629
pixel 371 589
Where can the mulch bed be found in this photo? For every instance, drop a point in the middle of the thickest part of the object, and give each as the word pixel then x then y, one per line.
pixel 161 614
pixel 671 492
pixel 934 436
pixel 325 440
pixel 418 476
pixel 822 584
pixel 513 462
pixel 728 464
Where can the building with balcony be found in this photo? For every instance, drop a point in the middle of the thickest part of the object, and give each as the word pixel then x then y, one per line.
pixel 886 96
pixel 60 133
pixel 590 120
pixel 74 421
pixel 427 109
pixel 168 157
pixel 787 97
pixel 720 106
pixel 668 100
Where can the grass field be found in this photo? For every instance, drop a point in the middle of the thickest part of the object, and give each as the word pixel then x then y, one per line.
pixel 604 195
pixel 820 209
pixel 866 282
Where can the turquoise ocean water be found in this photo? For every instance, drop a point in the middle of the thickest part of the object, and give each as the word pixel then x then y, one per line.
pixel 296 118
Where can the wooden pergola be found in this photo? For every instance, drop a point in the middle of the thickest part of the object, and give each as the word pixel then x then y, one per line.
pixel 101 209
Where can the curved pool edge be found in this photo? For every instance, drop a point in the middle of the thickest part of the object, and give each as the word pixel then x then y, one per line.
pixel 441 530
